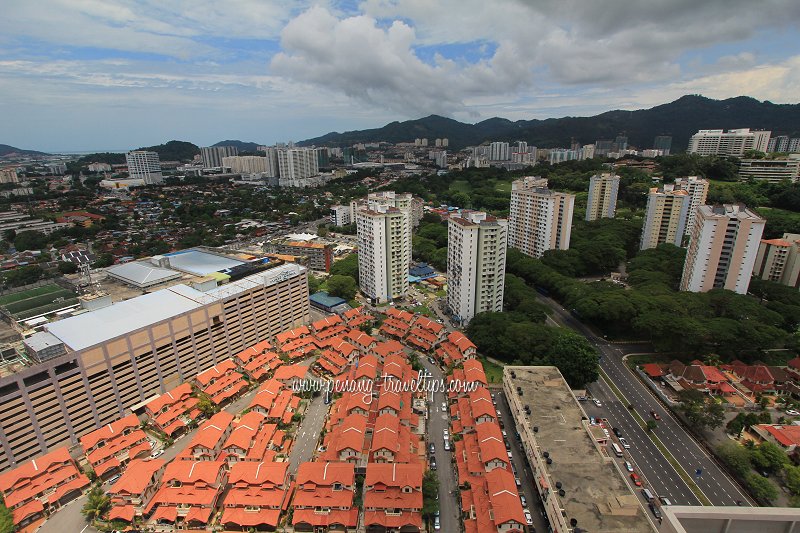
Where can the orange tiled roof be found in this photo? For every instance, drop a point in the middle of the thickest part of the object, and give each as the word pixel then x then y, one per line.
pixel 137 476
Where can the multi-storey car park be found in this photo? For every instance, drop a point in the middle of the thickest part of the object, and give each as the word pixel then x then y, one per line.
pixel 105 363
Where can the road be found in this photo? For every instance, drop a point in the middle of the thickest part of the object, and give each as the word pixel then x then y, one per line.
pixel 307 435
pixel 523 472
pixel 438 420
pixel 712 481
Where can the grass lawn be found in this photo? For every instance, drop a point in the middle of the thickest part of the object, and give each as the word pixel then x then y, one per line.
pixel 441 293
pixel 24 295
pixel 423 310
pixel 460 186
pixel 503 186
pixel 494 373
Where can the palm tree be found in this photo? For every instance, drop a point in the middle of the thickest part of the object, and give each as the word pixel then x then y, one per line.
pixel 97 503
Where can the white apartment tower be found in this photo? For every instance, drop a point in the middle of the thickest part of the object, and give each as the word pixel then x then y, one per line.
pixel 297 164
pixel 213 155
pixel 723 249
pixel 476 263
pixel 145 166
pixel 383 226
pixel 665 218
pixel 731 142
pixel 602 203
pixel 499 151
pixel 698 191
pixel 539 219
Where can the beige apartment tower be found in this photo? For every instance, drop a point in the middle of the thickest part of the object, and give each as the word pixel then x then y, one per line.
pixel 602 203
pixel 540 219
pixel 778 260
pixel 476 264
pixel 665 218
pixel 113 359
pixel 722 250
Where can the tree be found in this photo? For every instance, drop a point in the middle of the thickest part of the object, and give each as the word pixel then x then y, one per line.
pixel 346 267
pixel 342 286
pixel 793 479
pixel 205 406
pixel 97 503
pixel 30 240
pixel 736 457
pixel 313 284
pixel 7 524
pixel 105 260
pixel 651 425
pixel 67 267
pixel 761 488
pixel 577 360
pixel 769 457
pixel 430 493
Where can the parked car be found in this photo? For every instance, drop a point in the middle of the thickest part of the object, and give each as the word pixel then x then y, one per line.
pixel 655 510
pixel 655 415
pixel 433 464
pixel 635 479
pixel 518 481
pixel 792 412
pixel 528 517
pixel 617 432
pixel 432 448
pixel 522 500
pixel 444 406
pixel 437 524
pixel 156 453
pixel 446 445
pixel 628 466
pixel 624 443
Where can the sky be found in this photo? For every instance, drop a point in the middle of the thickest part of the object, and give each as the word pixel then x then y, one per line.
pixel 81 75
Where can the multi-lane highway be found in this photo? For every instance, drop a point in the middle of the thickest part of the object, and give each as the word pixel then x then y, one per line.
pixel 693 459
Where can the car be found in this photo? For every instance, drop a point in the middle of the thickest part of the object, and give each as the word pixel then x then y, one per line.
pixel 597 402
pixel 528 517
pixel 433 464
pixel 522 500
pixel 446 433
pixel 510 457
pixel 655 510
pixel 499 414
pixel 617 432
pixel 624 443
pixel 444 406
pixel 446 445
pixel 655 415
pixel 635 479
pixel 505 435
pixel 518 481
pixel 432 448
pixel 113 479
pixel 431 360
pixel 437 524
pixel 156 453
pixel 792 412
pixel 582 398
pixel 664 501
pixel 628 466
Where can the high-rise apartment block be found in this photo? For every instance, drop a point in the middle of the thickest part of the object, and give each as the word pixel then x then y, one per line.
pixel 794 145
pixel 663 143
pixel 340 215
pixel 723 249
pixel 603 189
pixel 8 175
pixel 476 262
pixel 778 260
pixel 248 164
pixel 778 144
pixel 213 155
pixel 731 142
pixel 698 191
pixel 383 226
pixel 666 216
pixel 499 151
pixel 145 166
pixel 540 219
pixel 295 165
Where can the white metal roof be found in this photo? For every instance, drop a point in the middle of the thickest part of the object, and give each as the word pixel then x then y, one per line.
pixel 142 274
pixel 201 263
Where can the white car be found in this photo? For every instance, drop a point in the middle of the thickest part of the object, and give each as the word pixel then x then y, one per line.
pixel 597 402
pixel 792 412
pixel 446 433
pixel 528 517
pixel 624 443
pixel 444 406
pixel 628 466
pixel 156 453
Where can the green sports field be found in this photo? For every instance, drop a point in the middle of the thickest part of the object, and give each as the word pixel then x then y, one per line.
pixel 44 299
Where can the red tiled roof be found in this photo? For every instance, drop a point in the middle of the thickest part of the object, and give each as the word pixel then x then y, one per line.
pixel 785 435
pixel 109 431
pixel 215 372
pixel 289 372
pixel 37 476
pixel 166 512
pixel 461 341
pixel 325 474
pixel 137 476
pixel 198 514
pixel 29 509
pixel 241 517
pixel 503 497
pixel 653 370
pixel 295 333
pixel 122 512
pixel 326 322
pixel 386 348
pixel 309 516
pixel 253 351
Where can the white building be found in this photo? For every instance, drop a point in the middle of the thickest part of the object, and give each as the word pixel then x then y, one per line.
pixel 145 166
pixel 296 166
pixel 499 151
pixel 698 191
pixel 340 215
pixel 213 155
pixel 539 219
pixel 602 202
pixel 771 170
pixel 247 164
pixel 384 246
pixel 731 142
pixel 723 249
pixel 99 167
pixel 476 263
pixel 9 175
